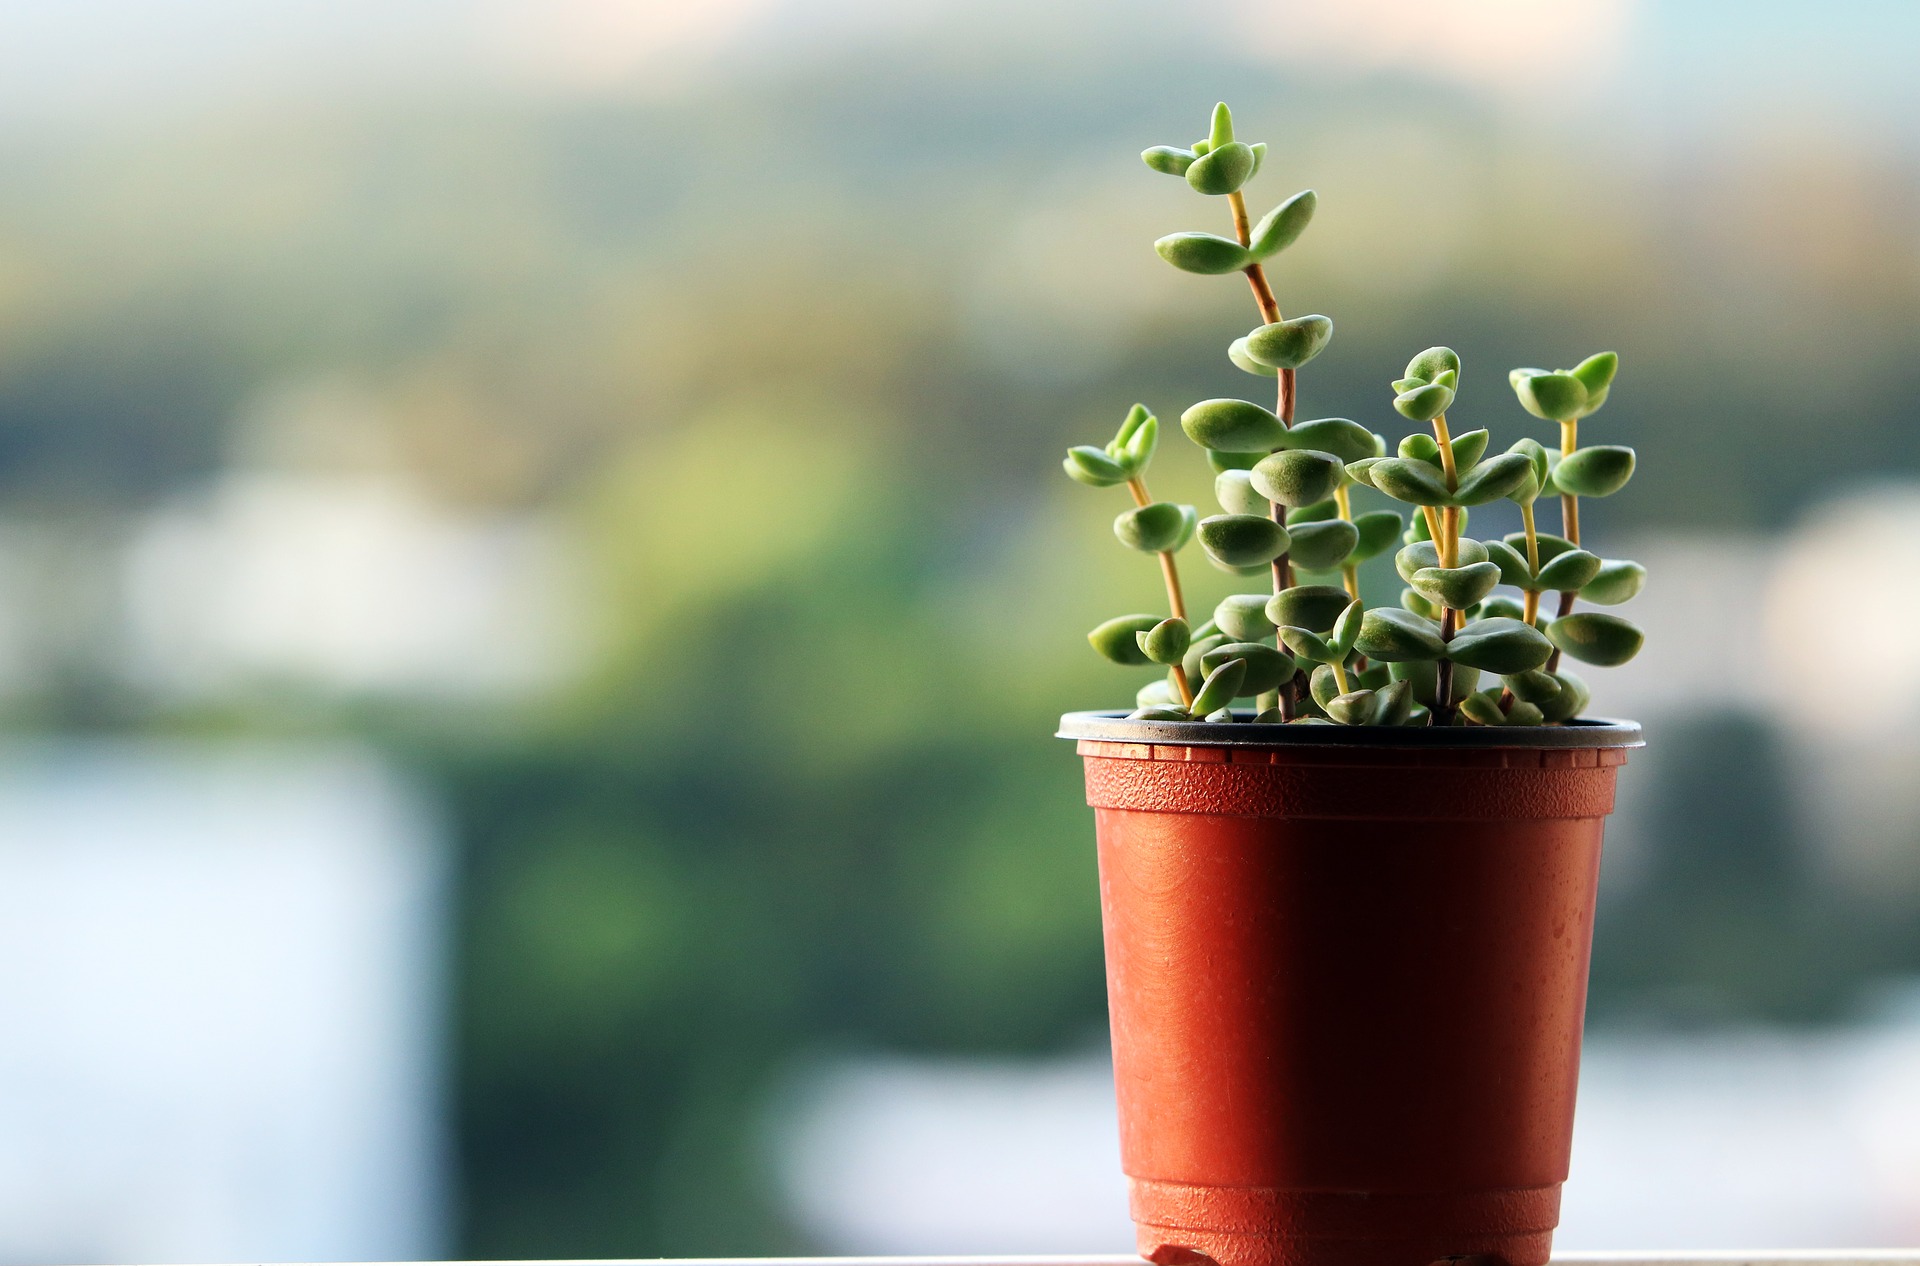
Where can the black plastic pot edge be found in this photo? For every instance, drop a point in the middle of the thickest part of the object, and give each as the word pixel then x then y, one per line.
pixel 1113 727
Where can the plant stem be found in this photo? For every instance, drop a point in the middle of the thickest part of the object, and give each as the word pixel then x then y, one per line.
pixel 1349 572
pixel 1169 571
pixel 1180 683
pixel 1569 522
pixel 1339 675
pixel 1533 560
pixel 1443 673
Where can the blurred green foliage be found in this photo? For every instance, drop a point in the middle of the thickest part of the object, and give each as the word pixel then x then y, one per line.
pixel 793 360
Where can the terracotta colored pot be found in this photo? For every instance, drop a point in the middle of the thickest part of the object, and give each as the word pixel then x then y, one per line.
pixel 1346 971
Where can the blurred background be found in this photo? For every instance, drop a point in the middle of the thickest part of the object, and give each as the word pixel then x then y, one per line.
pixel 535 586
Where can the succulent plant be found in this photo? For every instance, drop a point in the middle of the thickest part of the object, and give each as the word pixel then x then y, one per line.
pixel 1306 649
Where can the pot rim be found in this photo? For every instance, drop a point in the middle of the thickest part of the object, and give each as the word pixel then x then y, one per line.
pixel 1113 727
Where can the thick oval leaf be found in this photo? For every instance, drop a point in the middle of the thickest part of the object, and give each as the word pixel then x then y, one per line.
pixel 1233 426
pixel 1135 445
pixel 1533 685
pixel 1221 687
pixel 1379 530
pixel 1233 461
pixel 1267 667
pixel 1291 343
pixel 1546 544
pixel 1282 226
pixel 1222 169
pixel 1468 449
pixel 1202 643
pixel 1421 554
pixel 1435 361
pixel 1409 480
pixel 1297 476
pixel 1157 528
pixel 1221 133
pixel 1553 396
pixel 1483 708
pixel 1117 641
pixel 1242 540
pixel 1206 253
pixel 1392 704
pixel 1412 601
pixel 1308 645
pixel 1456 587
pixel 1424 404
pixel 1360 472
pixel 1421 447
pixel 1390 635
pixel 1167 641
pixel 1355 708
pixel 1501 606
pixel 1596 372
pixel 1570 702
pixel 1569 572
pixel 1237 353
pixel 1345 439
pixel 1594 637
pixel 1324 545
pixel 1313 607
pixel 1234 489
pixel 1324 686
pixel 1155 694
pixel 1328 509
pixel 1513 567
pixel 1500 646
pixel 1243 617
pixel 1423 677
pixel 1092 466
pixel 1492 480
pixel 1599 471
pixel 1165 158
pixel 1617 580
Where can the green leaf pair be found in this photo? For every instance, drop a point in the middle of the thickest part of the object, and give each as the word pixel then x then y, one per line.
pixel 1160 527
pixel 1564 571
pixel 1561 395
pixel 1126 455
pixel 1335 646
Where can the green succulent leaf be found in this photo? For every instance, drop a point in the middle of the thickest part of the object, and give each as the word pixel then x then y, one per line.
pixel 1094 467
pixel 1410 600
pixel 1355 708
pixel 1310 607
pixel 1206 253
pixel 1291 343
pixel 1243 617
pixel 1596 372
pixel 1344 438
pixel 1156 693
pixel 1598 471
pixel 1233 426
pixel 1361 472
pixel 1323 545
pixel 1282 226
pixel 1617 580
pixel 1570 702
pixel 1409 480
pixel 1421 447
pixel 1425 554
pixel 1238 354
pixel 1159 528
pixel 1424 404
pixel 1534 686
pixel 1135 444
pixel 1391 634
pixel 1429 365
pixel 1346 629
pixel 1503 607
pixel 1163 712
pixel 1422 676
pixel 1314 513
pixel 1222 169
pixel 1167 641
pixel 1221 461
pixel 1267 667
pixel 1259 149
pixel 1493 480
pixel 1221 133
pixel 1483 708
pixel 1378 530
pixel 1221 687
pixel 1168 159
pixel 1513 567
pixel 1468 449
pixel 1190 663
pixel 1235 492
pixel 1547 544
pixel 1323 686
pixel 1554 396
pixel 1117 640
pixel 1221 716
pixel 1500 646
pixel 1569 572
pixel 1297 476
pixel 1456 587
pixel 1243 540
pixel 1594 637
pixel 1309 645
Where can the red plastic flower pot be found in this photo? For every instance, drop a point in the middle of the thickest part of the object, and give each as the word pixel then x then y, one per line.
pixel 1346 973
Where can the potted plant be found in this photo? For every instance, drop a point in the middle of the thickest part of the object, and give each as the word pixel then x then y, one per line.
pixel 1348 922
